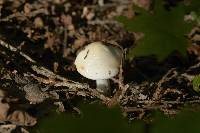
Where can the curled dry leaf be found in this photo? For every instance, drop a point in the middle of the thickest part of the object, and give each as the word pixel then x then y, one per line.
pixel 23 130
pixel 2 93
pixel 4 107
pixel 79 43
pixel 88 14
pixel 38 22
pixel 194 37
pixel 66 20
pixel 143 3
pixel 27 8
pixel 17 117
pixel 34 94
pixel 7 128
pixel 21 118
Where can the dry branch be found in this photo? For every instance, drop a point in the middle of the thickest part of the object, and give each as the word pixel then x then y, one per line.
pixel 52 78
pixel 157 94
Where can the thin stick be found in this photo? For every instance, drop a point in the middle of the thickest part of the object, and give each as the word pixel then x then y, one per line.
pixel 157 94
pixel 52 77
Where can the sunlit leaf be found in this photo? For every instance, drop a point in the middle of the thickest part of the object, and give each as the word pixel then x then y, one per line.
pixel 196 83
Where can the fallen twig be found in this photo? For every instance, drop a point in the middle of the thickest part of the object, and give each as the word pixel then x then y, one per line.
pixel 159 105
pixel 157 94
pixel 52 78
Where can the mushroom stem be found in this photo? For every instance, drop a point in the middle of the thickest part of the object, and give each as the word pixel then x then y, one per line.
pixel 103 85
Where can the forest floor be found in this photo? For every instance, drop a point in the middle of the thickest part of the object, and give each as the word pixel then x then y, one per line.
pixel 39 41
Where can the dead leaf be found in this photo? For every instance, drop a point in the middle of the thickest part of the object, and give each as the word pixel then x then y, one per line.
pixel 38 22
pixel 7 128
pixel 24 130
pixel 34 94
pixel 78 43
pixel 17 117
pixel 21 118
pixel 66 20
pixel 88 14
pixel 143 3
pixel 27 8
pixel 4 107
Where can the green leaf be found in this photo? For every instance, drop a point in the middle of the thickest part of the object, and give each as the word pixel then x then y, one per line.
pixel 164 31
pixel 95 118
pixel 193 6
pixel 196 83
pixel 185 122
pixel 194 9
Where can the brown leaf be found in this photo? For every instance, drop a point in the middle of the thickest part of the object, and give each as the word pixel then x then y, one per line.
pixel 4 107
pixel 17 117
pixel 27 8
pixel 7 128
pixel 34 94
pixel 38 22
pixel 66 20
pixel 143 3
pixel 78 43
pixel 21 118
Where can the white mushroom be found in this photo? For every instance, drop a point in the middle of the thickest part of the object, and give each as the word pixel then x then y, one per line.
pixel 99 62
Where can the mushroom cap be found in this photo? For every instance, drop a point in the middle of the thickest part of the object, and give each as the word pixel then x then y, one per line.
pixel 98 61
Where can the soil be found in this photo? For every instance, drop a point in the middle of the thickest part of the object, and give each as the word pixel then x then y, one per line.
pixel 39 42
